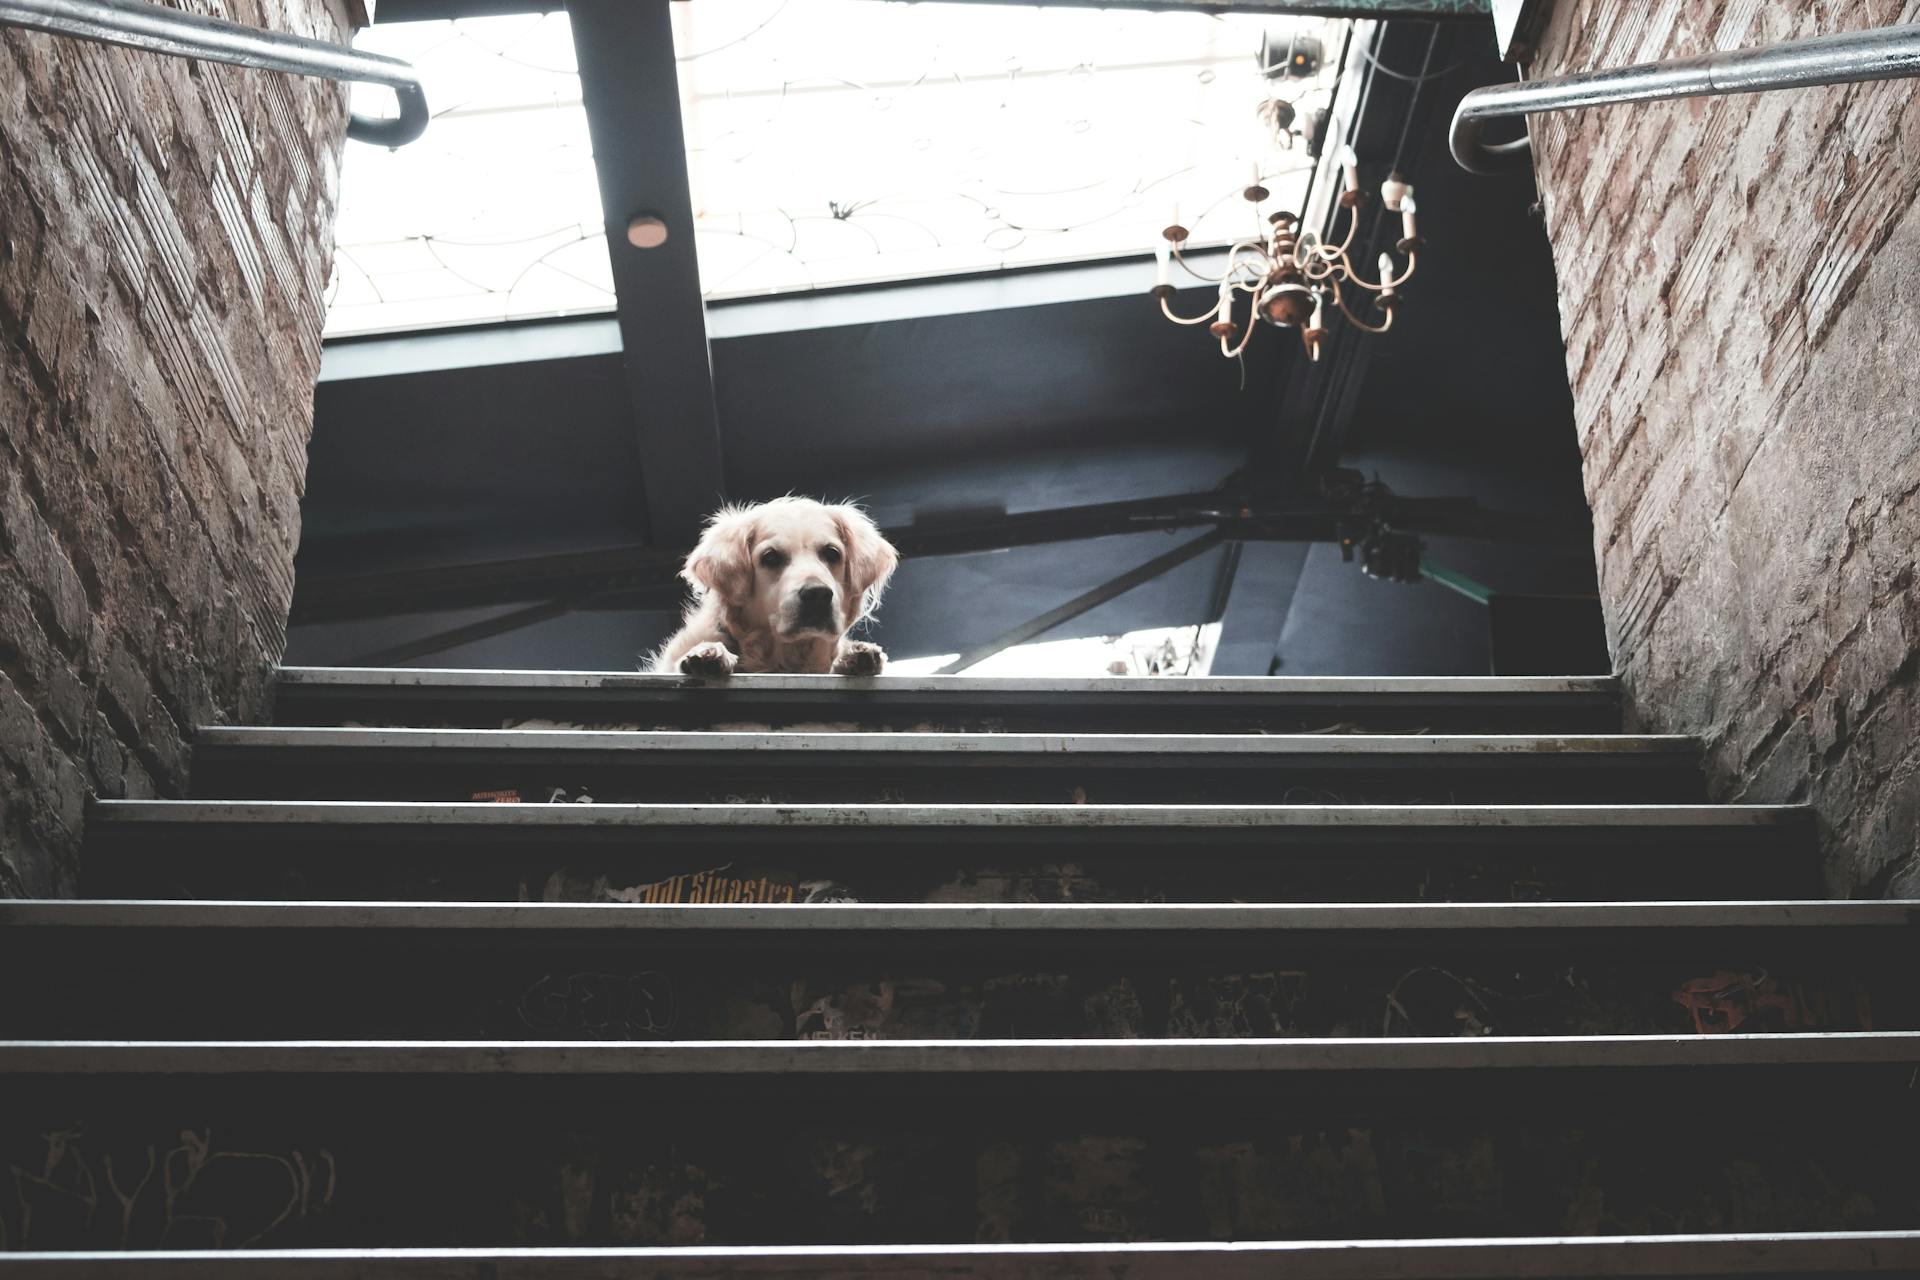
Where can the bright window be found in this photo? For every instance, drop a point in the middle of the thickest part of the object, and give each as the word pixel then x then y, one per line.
pixel 829 142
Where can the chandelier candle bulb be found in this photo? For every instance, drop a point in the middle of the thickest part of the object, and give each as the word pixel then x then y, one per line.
pixel 1407 227
pixel 1163 266
pixel 1253 191
pixel 1350 165
pixel 1386 276
pixel 1222 326
pixel 1175 234
pixel 1394 190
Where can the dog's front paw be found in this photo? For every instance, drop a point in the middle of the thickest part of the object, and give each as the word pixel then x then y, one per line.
pixel 712 660
pixel 858 658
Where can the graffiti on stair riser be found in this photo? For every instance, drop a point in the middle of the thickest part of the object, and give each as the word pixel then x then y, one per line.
pixel 722 884
pixel 82 1193
pixel 1725 1002
pixel 863 1186
pixel 599 1006
pixel 724 999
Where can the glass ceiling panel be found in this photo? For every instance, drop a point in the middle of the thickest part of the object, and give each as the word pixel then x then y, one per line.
pixel 830 142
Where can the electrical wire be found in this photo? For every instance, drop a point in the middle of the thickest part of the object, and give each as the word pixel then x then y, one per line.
pixel 1402 76
pixel 1419 82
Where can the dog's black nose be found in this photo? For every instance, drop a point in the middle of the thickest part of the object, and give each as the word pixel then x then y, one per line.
pixel 816 599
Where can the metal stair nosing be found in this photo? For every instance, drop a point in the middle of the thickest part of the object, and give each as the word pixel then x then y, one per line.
pixel 489 695
pixel 991 919
pixel 1673 1257
pixel 943 1058
pixel 948 817
pixel 961 748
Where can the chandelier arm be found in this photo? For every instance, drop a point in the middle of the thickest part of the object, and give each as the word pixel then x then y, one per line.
pixel 1307 246
pixel 1391 282
pixel 1328 268
pixel 1353 226
pixel 1262 265
pixel 1358 323
pixel 1168 312
pixel 1413 260
pixel 1233 263
pixel 1252 316
pixel 1188 268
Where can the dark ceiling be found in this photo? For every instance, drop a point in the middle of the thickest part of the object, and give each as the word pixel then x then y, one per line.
pixel 443 468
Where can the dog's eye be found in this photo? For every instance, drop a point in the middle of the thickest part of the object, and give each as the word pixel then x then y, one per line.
pixel 773 559
pixel 830 554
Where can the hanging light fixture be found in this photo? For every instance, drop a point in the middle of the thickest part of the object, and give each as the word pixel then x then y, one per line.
pixel 1290 276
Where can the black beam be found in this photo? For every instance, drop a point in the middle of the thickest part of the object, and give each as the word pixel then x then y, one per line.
pixel 1256 612
pixel 630 85
pixel 646 569
pixel 1084 602
pixel 454 637
pixel 442 10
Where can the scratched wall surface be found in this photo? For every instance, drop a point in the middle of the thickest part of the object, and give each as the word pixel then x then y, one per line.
pixel 1740 295
pixel 165 236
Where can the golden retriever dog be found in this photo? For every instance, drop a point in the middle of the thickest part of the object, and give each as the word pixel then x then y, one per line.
pixel 778 586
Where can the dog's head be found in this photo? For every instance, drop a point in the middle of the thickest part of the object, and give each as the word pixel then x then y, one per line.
pixel 793 566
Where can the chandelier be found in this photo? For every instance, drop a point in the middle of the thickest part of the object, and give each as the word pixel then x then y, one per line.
pixel 1291 275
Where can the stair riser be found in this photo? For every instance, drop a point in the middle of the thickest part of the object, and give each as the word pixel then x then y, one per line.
pixel 634 778
pixel 490 1162
pixel 780 865
pixel 1654 1258
pixel 959 711
pixel 455 984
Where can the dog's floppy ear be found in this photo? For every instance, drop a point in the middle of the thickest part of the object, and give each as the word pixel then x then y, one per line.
pixel 723 562
pixel 871 559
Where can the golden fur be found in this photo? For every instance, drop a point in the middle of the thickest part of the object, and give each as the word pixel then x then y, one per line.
pixel 760 573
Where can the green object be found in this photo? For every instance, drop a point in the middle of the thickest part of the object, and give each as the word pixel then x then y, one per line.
pixel 1474 591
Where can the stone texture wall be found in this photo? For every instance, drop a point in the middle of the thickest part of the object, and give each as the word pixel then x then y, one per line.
pixel 165 239
pixel 1740 294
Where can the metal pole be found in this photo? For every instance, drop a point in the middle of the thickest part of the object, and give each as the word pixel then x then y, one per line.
pixel 1884 53
pixel 157 29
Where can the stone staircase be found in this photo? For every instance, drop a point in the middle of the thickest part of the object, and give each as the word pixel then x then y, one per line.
pixel 1425 979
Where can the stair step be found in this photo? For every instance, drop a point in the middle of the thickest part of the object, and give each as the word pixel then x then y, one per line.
pixel 490 1144
pixel 871 972
pixel 627 766
pixel 998 919
pixel 790 1060
pixel 1054 819
pixel 1674 1257
pixel 487 699
pixel 908 853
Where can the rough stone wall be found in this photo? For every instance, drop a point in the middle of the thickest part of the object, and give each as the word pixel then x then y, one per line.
pixel 165 238
pixel 1740 295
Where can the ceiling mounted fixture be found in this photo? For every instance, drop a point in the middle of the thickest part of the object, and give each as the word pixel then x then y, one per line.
pixel 646 231
pixel 1290 276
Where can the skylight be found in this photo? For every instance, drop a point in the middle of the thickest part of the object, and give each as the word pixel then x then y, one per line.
pixel 830 142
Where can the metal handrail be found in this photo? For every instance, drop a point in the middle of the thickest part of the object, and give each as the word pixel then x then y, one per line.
pixel 158 29
pixel 1884 53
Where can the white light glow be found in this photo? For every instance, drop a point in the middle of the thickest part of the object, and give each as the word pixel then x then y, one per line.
pixel 1178 651
pixel 829 142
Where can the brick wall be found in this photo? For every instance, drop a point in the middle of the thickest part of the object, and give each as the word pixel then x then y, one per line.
pixel 1740 294
pixel 165 236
